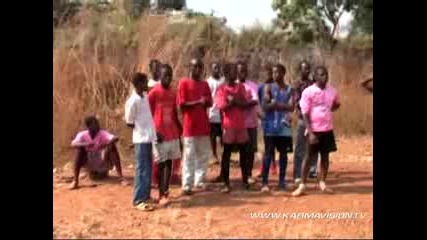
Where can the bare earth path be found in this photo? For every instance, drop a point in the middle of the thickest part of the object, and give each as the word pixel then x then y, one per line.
pixel 105 211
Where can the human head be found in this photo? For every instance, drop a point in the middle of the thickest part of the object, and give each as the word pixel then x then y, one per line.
pixel 166 75
pixel 92 124
pixel 139 81
pixel 321 76
pixel 242 71
pixel 279 72
pixel 230 72
pixel 216 70
pixel 268 73
pixel 154 66
pixel 304 69
pixel 196 69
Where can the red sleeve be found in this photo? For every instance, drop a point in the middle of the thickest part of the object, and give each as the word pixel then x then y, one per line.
pixel 220 98
pixel 208 95
pixel 181 94
pixel 175 116
pixel 152 101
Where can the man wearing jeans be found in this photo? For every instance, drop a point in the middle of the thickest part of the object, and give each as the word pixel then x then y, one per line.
pixel 300 146
pixel 194 98
pixel 138 117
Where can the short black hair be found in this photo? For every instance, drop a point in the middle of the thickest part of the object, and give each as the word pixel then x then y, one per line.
pixel 152 62
pixel 226 67
pixel 301 62
pixel 167 66
pixel 90 119
pixel 139 78
pixel 281 67
pixel 321 67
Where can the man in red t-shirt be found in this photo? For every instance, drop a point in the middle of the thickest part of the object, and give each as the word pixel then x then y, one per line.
pixel 162 102
pixel 231 100
pixel 194 97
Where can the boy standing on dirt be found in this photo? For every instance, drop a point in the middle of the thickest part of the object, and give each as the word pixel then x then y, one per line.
pixel 304 69
pixel 138 117
pixel 317 104
pixel 278 105
pixel 251 118
pixel 232 101
pixel 214 81
pixel 268 80
pixel 194 98
pixel 97 151
pixel 162 101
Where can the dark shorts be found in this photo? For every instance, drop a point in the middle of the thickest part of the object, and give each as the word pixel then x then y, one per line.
pixel 216 130
pixel 279 143
pixel 326 142
pixel 253 140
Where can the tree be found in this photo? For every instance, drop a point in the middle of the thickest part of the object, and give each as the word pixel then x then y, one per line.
pixel 307 20
pixel 363 17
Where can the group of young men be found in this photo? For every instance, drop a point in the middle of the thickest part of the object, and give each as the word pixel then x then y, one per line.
pixel 227 106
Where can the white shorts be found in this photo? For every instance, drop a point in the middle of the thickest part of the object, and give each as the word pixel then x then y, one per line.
pixel 168 150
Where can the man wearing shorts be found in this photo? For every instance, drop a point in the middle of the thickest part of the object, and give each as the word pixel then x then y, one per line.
pixel 162 100
pixel 232 101
pixel 317 104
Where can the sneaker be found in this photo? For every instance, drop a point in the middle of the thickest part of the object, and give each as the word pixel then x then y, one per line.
pixel 299 191
pixel 265 189
pixel 312 175
pixel 281 187
pixel 297 182
pixel 226 189
pixel 251 180
pixel 187 192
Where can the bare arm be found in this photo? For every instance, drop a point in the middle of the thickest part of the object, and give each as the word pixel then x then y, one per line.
pixel 79 144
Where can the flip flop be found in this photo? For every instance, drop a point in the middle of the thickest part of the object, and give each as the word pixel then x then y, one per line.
pixel 145 207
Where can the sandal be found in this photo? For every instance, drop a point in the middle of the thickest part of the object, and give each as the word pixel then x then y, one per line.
pixel 226 189
pixel 144 207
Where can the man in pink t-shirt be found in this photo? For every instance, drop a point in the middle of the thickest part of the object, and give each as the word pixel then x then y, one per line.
pixel 317 104
pixel 96 150
pixel 231 100
pixel 251 118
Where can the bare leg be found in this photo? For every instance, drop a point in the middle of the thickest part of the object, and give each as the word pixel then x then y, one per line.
pixel 324 168
pixel 115 159
pixel 79 162
pixel 305 170
pixel 213 146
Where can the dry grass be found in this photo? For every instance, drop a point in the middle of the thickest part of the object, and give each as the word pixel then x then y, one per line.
pixel 94 56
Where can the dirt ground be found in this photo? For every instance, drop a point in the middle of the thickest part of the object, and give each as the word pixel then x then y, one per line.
pixel 105 211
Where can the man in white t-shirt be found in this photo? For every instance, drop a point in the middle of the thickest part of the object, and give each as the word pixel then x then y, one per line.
pixel 138 117
pixel 214 81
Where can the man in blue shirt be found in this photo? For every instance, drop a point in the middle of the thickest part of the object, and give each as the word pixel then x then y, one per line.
pixel 278 106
